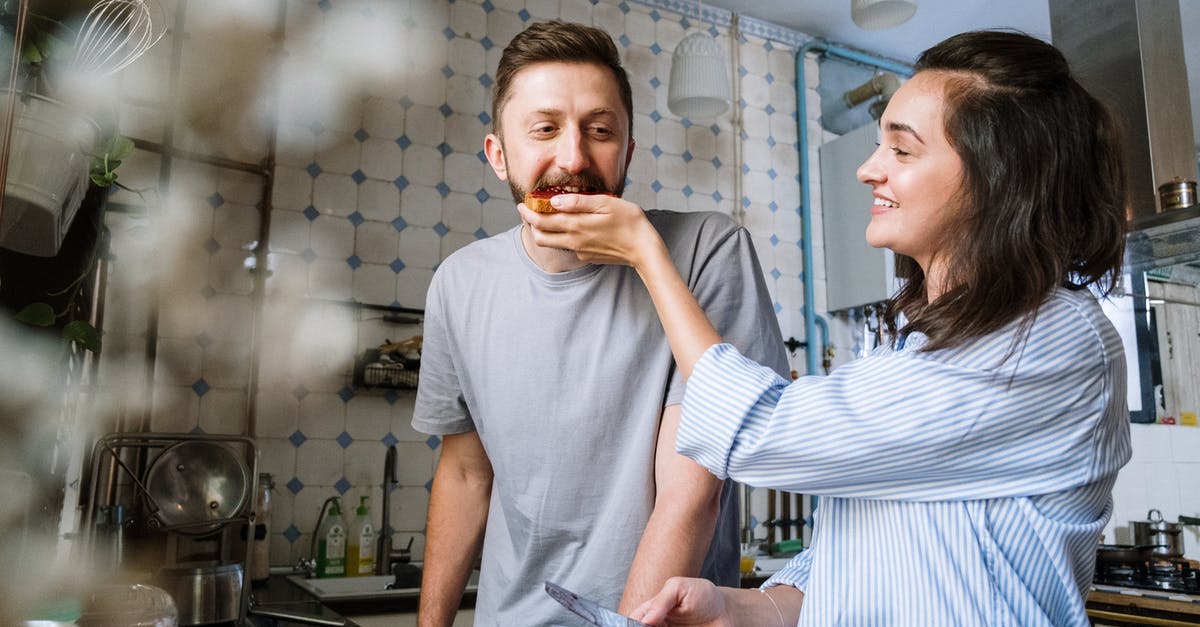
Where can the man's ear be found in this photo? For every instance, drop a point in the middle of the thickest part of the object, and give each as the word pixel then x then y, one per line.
pixel 629 154
pixel 494 150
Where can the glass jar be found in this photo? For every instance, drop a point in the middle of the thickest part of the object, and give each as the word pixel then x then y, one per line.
pixel 260 559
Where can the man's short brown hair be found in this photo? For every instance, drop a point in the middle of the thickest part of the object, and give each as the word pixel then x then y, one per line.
pixel 566 42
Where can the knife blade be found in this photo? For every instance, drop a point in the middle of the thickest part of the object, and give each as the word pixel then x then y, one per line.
pixel 588 609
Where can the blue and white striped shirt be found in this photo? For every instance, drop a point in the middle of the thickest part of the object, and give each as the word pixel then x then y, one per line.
pixel 959 487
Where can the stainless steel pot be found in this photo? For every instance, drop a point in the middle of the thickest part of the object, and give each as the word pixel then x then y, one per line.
pixel 205 595
pixel 1166 537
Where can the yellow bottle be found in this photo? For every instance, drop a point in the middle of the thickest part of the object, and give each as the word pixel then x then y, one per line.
pixel 360 548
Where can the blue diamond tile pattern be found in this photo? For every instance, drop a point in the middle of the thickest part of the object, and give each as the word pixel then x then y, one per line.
pixel 445 149
pixel 482 157
pixel 778 308
pixel 774 241
pixel 429 486
pixel 356 218
pixel 401 182
pixel 346 394
pixel 311 213
pixel 397 266
pixel 656 116
pixel 656 186
pixel 717 197
pixel 686 123
pixel 342 486
pixel 326 5
pixel 656 151
pixel 442 188
pixel 716 130
pixel 446 110
pixel 655 15
pixel 624 6
pixel 389 439
pixel 687 191
pixel 524 15
pixel 308 255
pixel 448 32
pixel 299 392
pixel 354 262
pixel 655 48
pixel 687 156
pixel 361 135
pixel 433 442
pixel 654 82
pixel 482 195
pixel 769 109
pixel 313 169
pixel 291 534
pixel 295 485
pixel 399 224
pixel 484 118
pixel 440 229
pixel 201 387
pixel 716 161
pixel 391 396
pixel 447 71
pixel 406 102
pixel 297 438
pixel 774 206
pixel 197 430
pixel 624 40
pixel 344 440
pixel 403 142
pixel 772 173
pixel 745 201
pixel 771 141
pixel 742 71
pixel 480 233
pixel 216 200
pixel 486 80
pixel 486 42
pixel 685 23
pixel 770 78
pixel 358 177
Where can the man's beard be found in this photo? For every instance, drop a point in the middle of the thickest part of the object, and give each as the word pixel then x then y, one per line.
pixel 584 180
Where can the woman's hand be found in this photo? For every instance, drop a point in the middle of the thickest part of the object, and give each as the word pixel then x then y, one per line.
pixel 597 227
pixel 685 601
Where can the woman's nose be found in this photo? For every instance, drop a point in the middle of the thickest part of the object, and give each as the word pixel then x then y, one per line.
pixel 571 151
pixel 870 171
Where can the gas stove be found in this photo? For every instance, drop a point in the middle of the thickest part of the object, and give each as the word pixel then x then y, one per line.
pixel 1158 592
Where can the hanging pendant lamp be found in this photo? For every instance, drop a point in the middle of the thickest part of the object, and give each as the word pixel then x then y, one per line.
pixel 881 14
pixel 699 86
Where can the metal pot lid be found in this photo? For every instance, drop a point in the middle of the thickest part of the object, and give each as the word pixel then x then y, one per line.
pixel 196 482
pixel 1156 523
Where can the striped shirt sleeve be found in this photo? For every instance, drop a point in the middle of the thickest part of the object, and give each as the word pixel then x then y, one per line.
pixel 991 419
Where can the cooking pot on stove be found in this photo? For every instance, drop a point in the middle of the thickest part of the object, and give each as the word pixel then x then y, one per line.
pixel 1123 554
pixel 1166 537
pixel 204 595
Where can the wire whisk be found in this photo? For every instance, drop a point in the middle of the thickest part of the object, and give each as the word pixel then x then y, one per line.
pixel 116 33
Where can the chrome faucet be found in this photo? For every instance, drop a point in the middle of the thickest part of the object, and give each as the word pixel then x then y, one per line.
pixel 383 556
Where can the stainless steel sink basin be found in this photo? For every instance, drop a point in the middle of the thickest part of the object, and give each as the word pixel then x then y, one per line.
pixel 361 588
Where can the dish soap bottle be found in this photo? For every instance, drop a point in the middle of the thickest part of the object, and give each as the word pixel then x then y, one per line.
pixel 331 544
pixel 360 549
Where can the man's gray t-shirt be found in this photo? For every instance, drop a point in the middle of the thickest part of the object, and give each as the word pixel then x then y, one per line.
pixel 564 377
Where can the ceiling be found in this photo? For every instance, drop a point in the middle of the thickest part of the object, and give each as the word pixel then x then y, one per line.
pixel 937 19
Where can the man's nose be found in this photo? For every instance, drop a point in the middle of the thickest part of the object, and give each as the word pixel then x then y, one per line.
pixel 572 153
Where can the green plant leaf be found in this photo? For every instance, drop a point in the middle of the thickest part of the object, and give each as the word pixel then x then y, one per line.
pixel 37 314
pixel 119 148
pixel 84 333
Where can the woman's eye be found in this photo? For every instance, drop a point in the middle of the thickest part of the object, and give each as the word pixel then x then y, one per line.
pixel 897 151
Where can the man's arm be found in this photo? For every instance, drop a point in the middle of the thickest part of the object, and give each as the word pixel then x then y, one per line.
pixel 686 503
pixel 458 509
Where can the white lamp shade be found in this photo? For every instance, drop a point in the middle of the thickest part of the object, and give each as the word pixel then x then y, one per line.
pixel 881 14
pixel 699 86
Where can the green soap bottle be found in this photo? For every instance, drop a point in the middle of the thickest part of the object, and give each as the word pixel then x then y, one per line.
pixel 331 544
pixel 360 552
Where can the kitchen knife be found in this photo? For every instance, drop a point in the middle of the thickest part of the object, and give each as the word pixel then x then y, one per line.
pixel 589 610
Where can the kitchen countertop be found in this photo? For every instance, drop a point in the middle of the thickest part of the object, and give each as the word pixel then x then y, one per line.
pixel 277 596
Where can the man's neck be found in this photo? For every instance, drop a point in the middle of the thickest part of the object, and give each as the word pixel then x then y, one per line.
pixel 552 260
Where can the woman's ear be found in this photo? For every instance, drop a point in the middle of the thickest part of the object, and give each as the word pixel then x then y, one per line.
pixel 493 149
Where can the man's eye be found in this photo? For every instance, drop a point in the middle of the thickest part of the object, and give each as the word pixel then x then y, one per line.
pixel 602 131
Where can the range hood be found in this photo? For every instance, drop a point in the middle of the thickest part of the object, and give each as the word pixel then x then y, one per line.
pixel 1129 53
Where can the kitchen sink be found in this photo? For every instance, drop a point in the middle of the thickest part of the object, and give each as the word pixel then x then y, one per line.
pixel 350 595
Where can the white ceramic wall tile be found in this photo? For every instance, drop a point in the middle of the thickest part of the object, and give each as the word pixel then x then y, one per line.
pixel 464 173
pixel 460 212
pixel 176 409
pixel 226 317
pixel 379 200
pixel 425 125
pixel 383 118
pixel 1185 446
pixel 499 214
pixel 227 363
pixel 468 20
pixel 183 362
pixel 364 467
pixel 330 280
pixel 454 241
pixel 381 158
pixel 375 283
pixel 419 247
pixel 466 95
pixel 276 416
pixel 292 189
pixel 375 243
pixel 228 273
pixel 335 194
pixel 368 417
pixel 332 237
pixel 422 163
pixel 223 411
pixel 319 463
pixel 465 133
pixel 289 232
pixel 322 415
pixel 411 286
pixel 421 205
